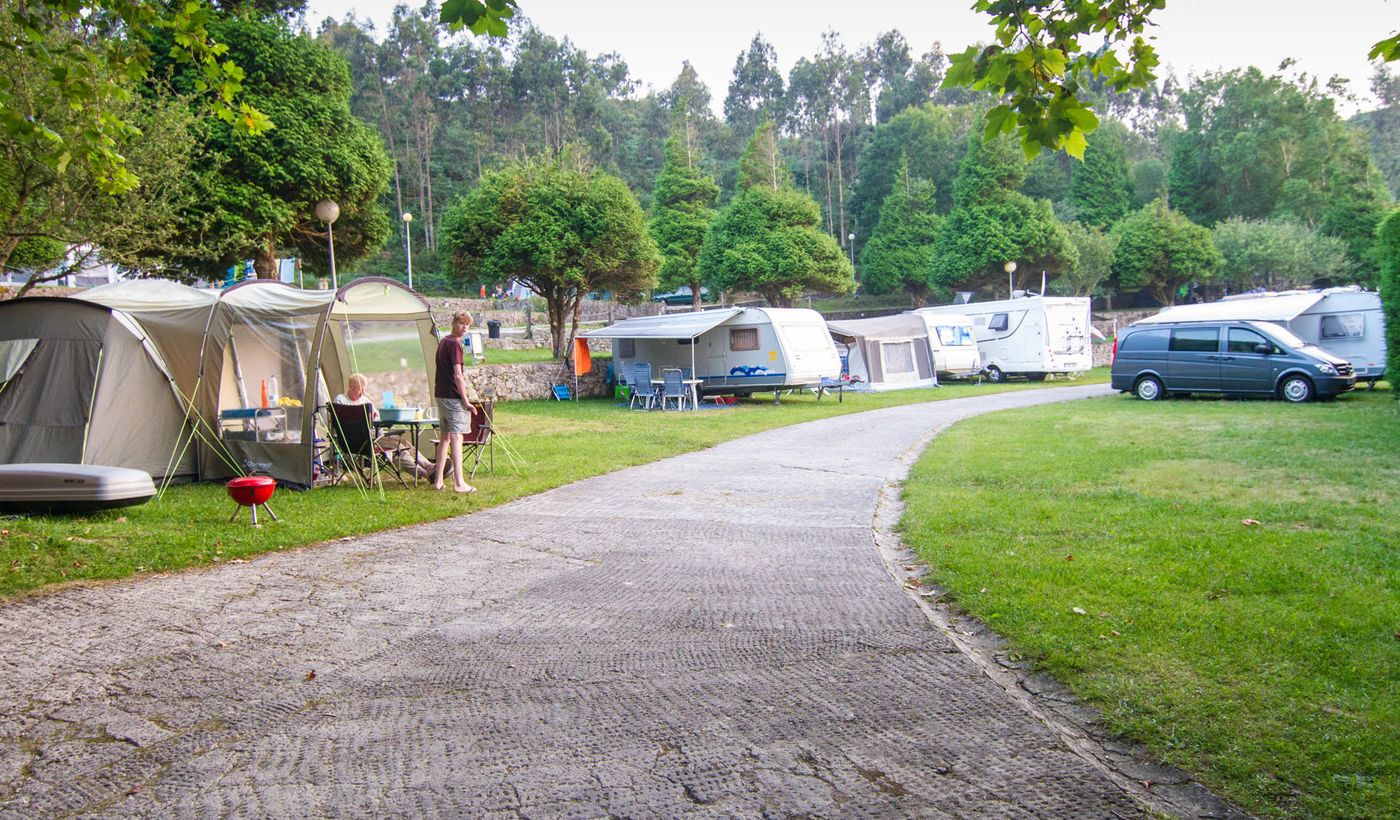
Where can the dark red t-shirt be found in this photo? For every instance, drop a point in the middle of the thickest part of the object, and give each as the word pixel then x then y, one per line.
pixel 449 355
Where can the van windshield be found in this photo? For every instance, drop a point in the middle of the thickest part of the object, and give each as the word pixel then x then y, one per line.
pixel 1281 334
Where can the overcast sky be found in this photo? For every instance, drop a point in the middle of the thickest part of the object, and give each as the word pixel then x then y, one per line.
pixel 654 37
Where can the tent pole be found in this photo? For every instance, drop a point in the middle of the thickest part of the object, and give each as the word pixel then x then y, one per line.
pixel 92 403
pixel 237 370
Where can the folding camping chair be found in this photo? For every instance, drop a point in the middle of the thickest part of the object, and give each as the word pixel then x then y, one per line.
pixel 642 388
pixel 481 440
pixel 353 445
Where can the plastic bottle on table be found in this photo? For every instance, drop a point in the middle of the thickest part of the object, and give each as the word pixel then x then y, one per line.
pixel 264 393
pixel 273 391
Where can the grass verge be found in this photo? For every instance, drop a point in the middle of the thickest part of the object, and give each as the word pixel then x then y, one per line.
pixel 1221 578
pixel 560 442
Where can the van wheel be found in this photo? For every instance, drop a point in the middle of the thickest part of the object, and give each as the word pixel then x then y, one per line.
pixel 1149 388
pixel 1296 389
pixel 994 375
pixel 1036 377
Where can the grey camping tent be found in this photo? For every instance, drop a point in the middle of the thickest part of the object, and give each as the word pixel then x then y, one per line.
pixel 83 383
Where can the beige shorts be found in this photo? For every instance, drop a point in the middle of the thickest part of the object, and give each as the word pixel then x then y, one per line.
pixel 454 416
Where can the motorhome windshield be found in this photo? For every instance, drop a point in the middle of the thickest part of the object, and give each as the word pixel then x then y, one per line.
pixel 1282 335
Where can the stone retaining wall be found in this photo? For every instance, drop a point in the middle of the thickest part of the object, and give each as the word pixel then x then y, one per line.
pixel 519 382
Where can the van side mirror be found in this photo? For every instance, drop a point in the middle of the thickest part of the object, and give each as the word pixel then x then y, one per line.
pixel 1264 349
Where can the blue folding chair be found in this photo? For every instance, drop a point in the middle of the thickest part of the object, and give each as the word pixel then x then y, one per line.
pixel 673 388
pixel 642 389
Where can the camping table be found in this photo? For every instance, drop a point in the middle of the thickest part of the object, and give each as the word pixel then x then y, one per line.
pixel 693 384
pixel 414 429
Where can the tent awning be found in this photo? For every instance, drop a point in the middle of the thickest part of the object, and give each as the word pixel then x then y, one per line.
pixel 674 326
pixel 1265 309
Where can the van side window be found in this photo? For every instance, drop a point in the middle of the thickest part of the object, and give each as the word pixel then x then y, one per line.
pixel 998 322
pixel 1196 339
pixel 1343 326
pixel 743 338
pixel 627 348
pixel 1242 340
pixel 1144 340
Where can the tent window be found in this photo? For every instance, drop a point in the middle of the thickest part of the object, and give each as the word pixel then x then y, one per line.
pixel 743 338
pixel 1343 326
pixel 898 358
pixel 13 354
pixel 627 348
pixel 390 356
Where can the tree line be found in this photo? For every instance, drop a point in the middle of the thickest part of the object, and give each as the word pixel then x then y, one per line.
pixel 1229 181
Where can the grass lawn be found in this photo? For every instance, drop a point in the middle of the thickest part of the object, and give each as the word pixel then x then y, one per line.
pixel 560 441
pixel 1221 578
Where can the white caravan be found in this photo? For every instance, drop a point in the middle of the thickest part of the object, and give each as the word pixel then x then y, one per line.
pixel 730 350
pixel 1029 335
pixel 953 339
pixel 1347 322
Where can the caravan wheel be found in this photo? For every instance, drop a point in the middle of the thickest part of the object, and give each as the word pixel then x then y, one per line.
pixel 1036 377
pixel 994 375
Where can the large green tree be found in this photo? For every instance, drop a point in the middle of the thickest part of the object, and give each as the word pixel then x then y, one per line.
pixel 49 214
pixel 683 208
pixel 993 223
pixel 1099 187
pixel 1161 251
pixel 259 195
pixel 1094 265
pixel 932 138
pixel 1261 147
pixel 561 227
pixel 768 238
pixel 899 255
pixel 1277 254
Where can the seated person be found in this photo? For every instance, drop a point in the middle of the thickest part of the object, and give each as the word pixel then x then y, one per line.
pixel 405 454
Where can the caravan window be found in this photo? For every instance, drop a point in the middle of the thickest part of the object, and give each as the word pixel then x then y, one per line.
pixel 627 348
pixel 955 336
pixel 743 338
pixel 999 322
pixel 1343 326
pixel 807 337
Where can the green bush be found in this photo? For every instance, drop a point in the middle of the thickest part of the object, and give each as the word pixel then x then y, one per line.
pixel 1388 249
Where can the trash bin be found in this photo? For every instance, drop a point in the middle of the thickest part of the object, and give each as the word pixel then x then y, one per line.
pixel 493 329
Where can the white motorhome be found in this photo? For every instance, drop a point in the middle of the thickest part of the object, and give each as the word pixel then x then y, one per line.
pixel 1029 335
pixel 730 350
pixel 1347 321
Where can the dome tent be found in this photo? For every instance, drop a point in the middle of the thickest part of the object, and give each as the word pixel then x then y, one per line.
pixel 85 383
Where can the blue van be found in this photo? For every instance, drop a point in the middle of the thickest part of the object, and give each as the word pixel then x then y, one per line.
pixel 1154 361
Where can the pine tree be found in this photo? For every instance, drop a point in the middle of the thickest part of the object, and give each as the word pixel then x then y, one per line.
pixel 769 237
pixel 1099 186
pixel 684 207
pixel 899 255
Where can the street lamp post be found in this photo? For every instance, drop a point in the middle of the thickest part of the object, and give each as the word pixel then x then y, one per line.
pixel 328 212
pixel 851 243
pixel 1010 268
pixel 408 246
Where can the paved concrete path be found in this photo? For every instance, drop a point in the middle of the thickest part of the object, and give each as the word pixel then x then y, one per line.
pixel 715 634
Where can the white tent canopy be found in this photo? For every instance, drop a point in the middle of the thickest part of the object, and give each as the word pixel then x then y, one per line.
pixel 674 326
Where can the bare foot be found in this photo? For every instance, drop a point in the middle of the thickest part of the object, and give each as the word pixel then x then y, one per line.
pixel 438 487
pixel 465 488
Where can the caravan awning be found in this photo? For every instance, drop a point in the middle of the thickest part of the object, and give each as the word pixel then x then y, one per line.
pixel 674 326
pixel 1263 309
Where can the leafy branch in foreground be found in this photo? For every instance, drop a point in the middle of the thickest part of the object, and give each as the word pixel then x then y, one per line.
pixel 489 17
pixel 94 53
pixel 1037 63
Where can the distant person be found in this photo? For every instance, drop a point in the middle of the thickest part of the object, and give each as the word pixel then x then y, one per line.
pixel 454 402
pixel 483 291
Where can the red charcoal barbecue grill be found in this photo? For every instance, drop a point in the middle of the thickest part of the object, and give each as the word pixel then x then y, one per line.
pixel 251 491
